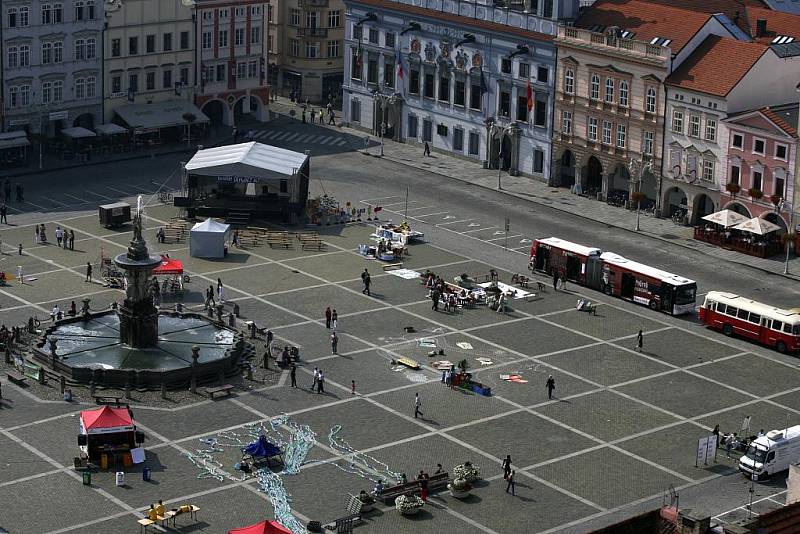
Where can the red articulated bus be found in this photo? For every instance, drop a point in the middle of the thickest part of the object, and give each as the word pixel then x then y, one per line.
pixel 614 275
pixel 765 324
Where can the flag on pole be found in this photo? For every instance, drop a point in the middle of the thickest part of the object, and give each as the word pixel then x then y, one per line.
pixel 529 93
pixel 400 73
pixel 484 90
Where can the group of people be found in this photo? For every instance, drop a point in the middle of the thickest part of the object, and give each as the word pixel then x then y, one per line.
pixel 319 381
pixel 7 191
pixel 313 114
pixel 211 301
pixel 56 314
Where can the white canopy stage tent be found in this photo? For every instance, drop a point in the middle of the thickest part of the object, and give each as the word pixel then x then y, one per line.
pixel 166 114
pixel 110 129
pixel 78 132
pixel 249 178
pixel 757 226
pixel 726 218
pixel 208 239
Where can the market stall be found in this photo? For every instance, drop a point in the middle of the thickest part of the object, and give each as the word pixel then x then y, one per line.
pixel 265 527
pixel 208 239
pixel 14 149
pixel 108 436
pixel 401 233
pixel 115 215
pixel 170 274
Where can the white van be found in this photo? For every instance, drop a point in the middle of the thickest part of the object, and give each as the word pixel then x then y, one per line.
pixel 772 453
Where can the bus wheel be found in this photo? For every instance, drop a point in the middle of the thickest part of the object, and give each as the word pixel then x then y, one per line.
pixel 727 330
pixel 781 346
pixel 607 289
pixel 654 305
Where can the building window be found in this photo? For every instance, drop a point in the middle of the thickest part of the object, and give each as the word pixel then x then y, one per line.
pixel 757 179
pixel 222 38
pixel 609 96
pixel 116 47
pixel 252 70
pixel 311 19
pixel 428 88
pixel 12 57
pixel 355 65
pixel 184 40
pixel 412 126
pixel 133 83
pixel 606 132
pixel 427 130
pixel 294 47
pixel 255 35
pixel 372 70
pixel 58 52
pixel 780 186
pixel 460 93
pixel 458 140
pixel 538 161
pixel 221 72
pixel 238 37
pixel 47 53
pixel 647 144
pixel 388 72
pixel 708 170
pixel 91 48
pixel 524 70
pixel 241 70
pixel 116 84
pixel 58 17
pixel 223 13
pixel 47 92
pixel 312 50
pixel 738 141
pixel 591 129
pixel 621 135
pixel 522 108
pixel 149 44
pixel 758 146
pixel 333 49
pixel 23 21
pixel 475 94
pixel 677 121
pixel 623 94
pixel 24 55
pixel 413 81
pixel 650 101
pixel 47 14
pixel 711 130
pixel 566 122
pixel 781 151
pixel 543 74
pixel 80 88
pixel 133 46
pixel 694 126
pixel 540 113
pixel 389 40
pixel 150 81
pixel 474 143
pixel 12 17
pixel 355 111
pixel 595 87
pixel 334 19
pixel 504 109
pixel 444 87
pixel 505 66
pixel 358 32
pixel 167 42
pixel 736 174
pixel 569 81
pixel 206 40
pixel 373 35
pixel 294 17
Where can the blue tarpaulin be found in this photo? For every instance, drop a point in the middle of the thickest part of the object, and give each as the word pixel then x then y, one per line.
pixel 262 448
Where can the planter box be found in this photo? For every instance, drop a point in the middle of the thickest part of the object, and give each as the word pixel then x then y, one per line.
pixel 459 494
pixel 412 511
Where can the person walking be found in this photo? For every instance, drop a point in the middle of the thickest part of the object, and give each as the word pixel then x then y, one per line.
pixel 4 213
pixel 59 236
pixel 42 233
pixel 19 275
pixel 639 341
pixel 550 385
pixel 304 116
pixel 328 315
pixel 417 404
pixel 320 382
pixel 507 466
pixel 321 117
pixel 334 343
pixel 367 280
pixel 435 299
pixel 427 150
pixel 313 114
pixel 316 377
pixel 352 387
pixel 88 271
pixel 334 320
pixel 511 484
pixel 72 239
pixel 37 237
pixel 555 280
pixel 293 375
pixel 564 280
pixel 220 291
pixel 332 118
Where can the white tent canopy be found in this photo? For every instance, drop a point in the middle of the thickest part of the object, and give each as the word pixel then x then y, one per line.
pixel 78 132
pixel 13 139
pixel 757 226
pixel 246 162
pixel 159 114
pixel 208 239
pixel 109 129
pixel 726 218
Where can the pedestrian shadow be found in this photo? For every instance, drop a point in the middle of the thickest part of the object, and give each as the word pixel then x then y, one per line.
pixel 431 422
pixel 378 296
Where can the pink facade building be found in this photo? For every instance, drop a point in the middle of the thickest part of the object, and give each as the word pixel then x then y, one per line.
pixel 762 163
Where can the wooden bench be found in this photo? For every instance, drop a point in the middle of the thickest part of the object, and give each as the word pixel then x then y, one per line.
pixel 310 241
pixel 435 483
pixel 16 378
pixel 392 266
pixel 222 390
pixel 279 239
pixel 344 525
pixel 107 399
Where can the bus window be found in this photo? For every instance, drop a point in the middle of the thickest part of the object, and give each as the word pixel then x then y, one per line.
pixel 755 318
pixel 787 328
pixel 777 325
pixel 742 314
pixel 796 330
pixel 731 311
pixel 720 307
pixel 685 294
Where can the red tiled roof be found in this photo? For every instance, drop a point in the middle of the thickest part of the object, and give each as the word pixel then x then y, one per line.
pixel 779 122
pixel 647 20
pixel 778 23
pixel 729 7
pixel 717 65
pixel 456 19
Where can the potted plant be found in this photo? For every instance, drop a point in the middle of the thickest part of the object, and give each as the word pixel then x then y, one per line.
pixel 733 188
pixel 367 501
pixel 459 488
pixel 755 193
pixel 467 471
pixel 776 200
pixel 408 504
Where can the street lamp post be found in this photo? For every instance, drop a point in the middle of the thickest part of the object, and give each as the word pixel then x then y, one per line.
pixel 499 168
pixel 788 240
pixel 500 131
pixel 383 102
pixel 383 132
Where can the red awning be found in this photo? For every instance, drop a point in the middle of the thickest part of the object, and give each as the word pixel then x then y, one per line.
pixel 169 266
pixel 265 527
pixel 106 420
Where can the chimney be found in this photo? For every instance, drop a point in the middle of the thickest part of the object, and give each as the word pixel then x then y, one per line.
pixel 761 27
pixel 736 18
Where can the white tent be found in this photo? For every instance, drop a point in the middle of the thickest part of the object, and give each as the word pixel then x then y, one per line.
pixel 726 218
pixel 208 239
pixel 757 226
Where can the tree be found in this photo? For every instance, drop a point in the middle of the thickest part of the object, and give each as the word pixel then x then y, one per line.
pixel 189 118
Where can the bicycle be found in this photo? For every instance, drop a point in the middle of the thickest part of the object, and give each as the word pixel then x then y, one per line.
pixel 679 217
pixel 165 197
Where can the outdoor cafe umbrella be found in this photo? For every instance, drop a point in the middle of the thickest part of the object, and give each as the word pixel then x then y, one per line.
pixel 726 218
pixel 757 226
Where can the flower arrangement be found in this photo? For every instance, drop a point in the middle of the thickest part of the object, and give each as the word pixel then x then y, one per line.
pixel 733 188
pixel 467 471
pixel 408 504
pixel 755 193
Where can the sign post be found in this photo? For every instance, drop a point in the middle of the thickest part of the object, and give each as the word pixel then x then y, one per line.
pixel 706 448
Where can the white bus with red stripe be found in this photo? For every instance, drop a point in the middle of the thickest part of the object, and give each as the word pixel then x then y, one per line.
pixel 768 325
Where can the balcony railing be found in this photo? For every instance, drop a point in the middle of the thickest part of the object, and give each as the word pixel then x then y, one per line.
pixel 312 32
pixel 312 3
pixel 602 40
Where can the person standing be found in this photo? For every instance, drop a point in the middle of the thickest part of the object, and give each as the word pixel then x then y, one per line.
pixel 435 299
pixel 332 119
pixel 511 484
pixel 220 290
pixel 320 382
pixel 423 487
pixel 427 150
pixel 555 280
pixel 334 320
pixel 303 115
pixel 59 236
pixel 417 404
pixel 19 275
pixel 352 387
pixel 313 114
pixel 639 341
pixel 88 271
pixel 365 279
pixel 715 432
pixel 328 317
pixel 550 385
pixel 4 213
pixel 321 117
pixel 72 239
pixel 564 280
pixel 316 377
pixel 507 466
pixel 334 343
pixel 37 237
pixel 293 375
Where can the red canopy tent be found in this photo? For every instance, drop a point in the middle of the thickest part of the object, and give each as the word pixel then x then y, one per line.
pixel 265 527
pixel 106 420
pixel 169 266
pixel 106 430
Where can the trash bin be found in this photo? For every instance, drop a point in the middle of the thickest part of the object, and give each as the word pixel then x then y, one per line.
pixel 120 478
pixel 104 461
pixel 87 478
pixel 146 474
